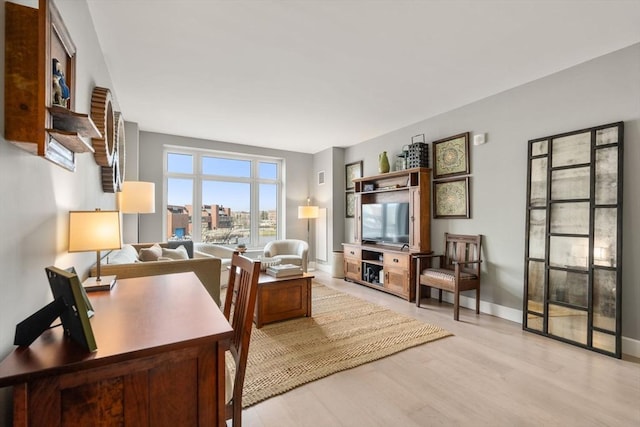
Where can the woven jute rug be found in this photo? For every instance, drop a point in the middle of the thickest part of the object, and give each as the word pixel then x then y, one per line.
pixel 343 332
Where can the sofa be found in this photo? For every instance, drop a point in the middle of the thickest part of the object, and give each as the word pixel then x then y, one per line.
pixel 288 251
pixel 126 263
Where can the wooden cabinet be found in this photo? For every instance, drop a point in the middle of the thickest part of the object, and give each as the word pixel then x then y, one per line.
pixel 387 268
pixel 374 261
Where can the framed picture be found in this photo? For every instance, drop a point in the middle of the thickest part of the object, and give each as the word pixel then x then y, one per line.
pixel 352 171
pixel 350 204
pixel 451 156
pixel 451 198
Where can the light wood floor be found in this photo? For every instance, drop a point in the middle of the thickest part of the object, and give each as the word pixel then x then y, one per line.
pixel 491 373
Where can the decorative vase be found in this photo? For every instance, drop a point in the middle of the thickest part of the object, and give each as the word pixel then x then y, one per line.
pixel 383 162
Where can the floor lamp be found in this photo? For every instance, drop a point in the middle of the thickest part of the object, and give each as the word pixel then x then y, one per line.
pixel 137 197
pixel 308 212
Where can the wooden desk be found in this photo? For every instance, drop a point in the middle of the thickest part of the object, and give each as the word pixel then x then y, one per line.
pixel 282 298
pixel 160 361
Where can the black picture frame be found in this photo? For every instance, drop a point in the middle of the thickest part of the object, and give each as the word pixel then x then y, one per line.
pixel 66 286
pixel 352 171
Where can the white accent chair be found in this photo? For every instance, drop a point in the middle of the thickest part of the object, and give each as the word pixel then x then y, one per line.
pixel 289 251
pixel 207 250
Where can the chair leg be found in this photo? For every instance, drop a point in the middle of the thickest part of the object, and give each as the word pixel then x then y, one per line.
pixel 418 293
pixel 456 305
pixel 478 300
pixel 439 295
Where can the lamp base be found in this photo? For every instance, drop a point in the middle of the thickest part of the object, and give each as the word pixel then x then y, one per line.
pixel 104 284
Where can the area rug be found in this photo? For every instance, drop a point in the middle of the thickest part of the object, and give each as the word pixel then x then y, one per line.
pixel 343 332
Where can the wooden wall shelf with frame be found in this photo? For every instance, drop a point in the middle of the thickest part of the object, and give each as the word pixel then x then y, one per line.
pixel 33 122
pixel 390 266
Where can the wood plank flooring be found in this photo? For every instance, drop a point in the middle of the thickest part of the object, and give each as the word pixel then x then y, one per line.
pixel 491 373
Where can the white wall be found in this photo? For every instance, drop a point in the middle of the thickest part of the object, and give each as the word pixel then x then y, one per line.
pixel 297 179
pixel 37 196
pixel 601 91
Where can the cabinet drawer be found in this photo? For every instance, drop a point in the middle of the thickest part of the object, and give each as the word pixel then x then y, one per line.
pixel 392 260
pixel 352 252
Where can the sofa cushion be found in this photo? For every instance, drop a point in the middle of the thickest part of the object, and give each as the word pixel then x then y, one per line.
pixel 126 255
pixel 152 253
pixel 187 244
pixel 179 253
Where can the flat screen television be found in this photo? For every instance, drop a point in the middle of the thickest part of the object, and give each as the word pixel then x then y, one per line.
pixel 385 222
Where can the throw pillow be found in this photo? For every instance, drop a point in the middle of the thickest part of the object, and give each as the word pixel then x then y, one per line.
pixel 178 253
pixel 151 253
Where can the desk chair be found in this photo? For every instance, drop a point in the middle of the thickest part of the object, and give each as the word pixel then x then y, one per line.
pixel 239 306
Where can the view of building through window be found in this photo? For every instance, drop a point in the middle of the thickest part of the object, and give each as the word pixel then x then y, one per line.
pixel 238 198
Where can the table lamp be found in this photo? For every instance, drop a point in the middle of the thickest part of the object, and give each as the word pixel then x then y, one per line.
pixel 137 197
pixel 308 212
pixel 95 231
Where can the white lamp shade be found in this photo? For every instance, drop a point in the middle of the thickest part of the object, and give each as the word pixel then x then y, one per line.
pixel 306 212
pixel 94 230
pixel 137 197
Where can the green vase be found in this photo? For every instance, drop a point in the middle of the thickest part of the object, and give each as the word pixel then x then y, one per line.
pixel 383 162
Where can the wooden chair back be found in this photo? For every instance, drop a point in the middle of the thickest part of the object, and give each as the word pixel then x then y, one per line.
pixel 459 269
pixel 239 307
pixel 462 249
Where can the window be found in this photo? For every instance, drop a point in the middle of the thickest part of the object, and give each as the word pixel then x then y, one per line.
pixel 221 198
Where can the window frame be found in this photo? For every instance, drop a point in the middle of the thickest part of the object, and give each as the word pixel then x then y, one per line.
pixel 198 177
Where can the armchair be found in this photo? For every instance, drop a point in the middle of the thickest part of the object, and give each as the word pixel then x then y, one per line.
pixel 289 251
pixel 459 270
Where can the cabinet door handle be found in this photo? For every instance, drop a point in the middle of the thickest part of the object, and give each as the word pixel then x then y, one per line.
pixel 352 252
pixel 396 260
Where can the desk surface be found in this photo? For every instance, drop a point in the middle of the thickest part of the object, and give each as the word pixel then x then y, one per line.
pixel 138 317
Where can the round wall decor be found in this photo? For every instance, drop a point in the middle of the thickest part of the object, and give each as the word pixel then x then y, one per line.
pixel 103 117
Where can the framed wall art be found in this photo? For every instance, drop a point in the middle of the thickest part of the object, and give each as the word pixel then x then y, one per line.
pixel 451 156
pixel 352 171
pixel 350 204
pixel 451 198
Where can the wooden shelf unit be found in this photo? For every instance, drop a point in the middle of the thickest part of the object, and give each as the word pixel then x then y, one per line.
pixel 391 268
pixel 33 38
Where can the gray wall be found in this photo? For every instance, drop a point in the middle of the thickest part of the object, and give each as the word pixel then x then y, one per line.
pixel 38 195
pixel 297 179
pixel 604 90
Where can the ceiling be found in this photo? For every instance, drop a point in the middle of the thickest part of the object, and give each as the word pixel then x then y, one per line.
pixel 307 75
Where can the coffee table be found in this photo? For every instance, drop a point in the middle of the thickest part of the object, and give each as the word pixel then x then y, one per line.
pixel 282 298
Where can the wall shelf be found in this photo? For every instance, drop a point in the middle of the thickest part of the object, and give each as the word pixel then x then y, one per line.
pixel 34 39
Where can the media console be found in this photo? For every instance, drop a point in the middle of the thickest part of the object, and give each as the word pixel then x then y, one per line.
pixel 386 263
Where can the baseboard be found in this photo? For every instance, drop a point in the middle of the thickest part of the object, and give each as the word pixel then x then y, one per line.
pixel 630 346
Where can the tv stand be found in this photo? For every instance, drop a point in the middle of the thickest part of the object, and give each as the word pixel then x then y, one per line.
pixel 391 268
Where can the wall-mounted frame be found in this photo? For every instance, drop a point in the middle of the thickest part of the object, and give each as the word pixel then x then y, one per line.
pixel 451 156
pixel 352 171
pixel 451 198
pixel 350 204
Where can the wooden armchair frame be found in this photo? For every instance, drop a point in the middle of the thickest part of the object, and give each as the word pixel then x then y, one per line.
pixel 241 294
pixel 458 270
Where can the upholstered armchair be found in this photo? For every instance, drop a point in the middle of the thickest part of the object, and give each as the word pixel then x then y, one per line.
pixel 289 251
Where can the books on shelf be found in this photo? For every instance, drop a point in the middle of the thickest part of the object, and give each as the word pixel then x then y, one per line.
pixel 282 270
